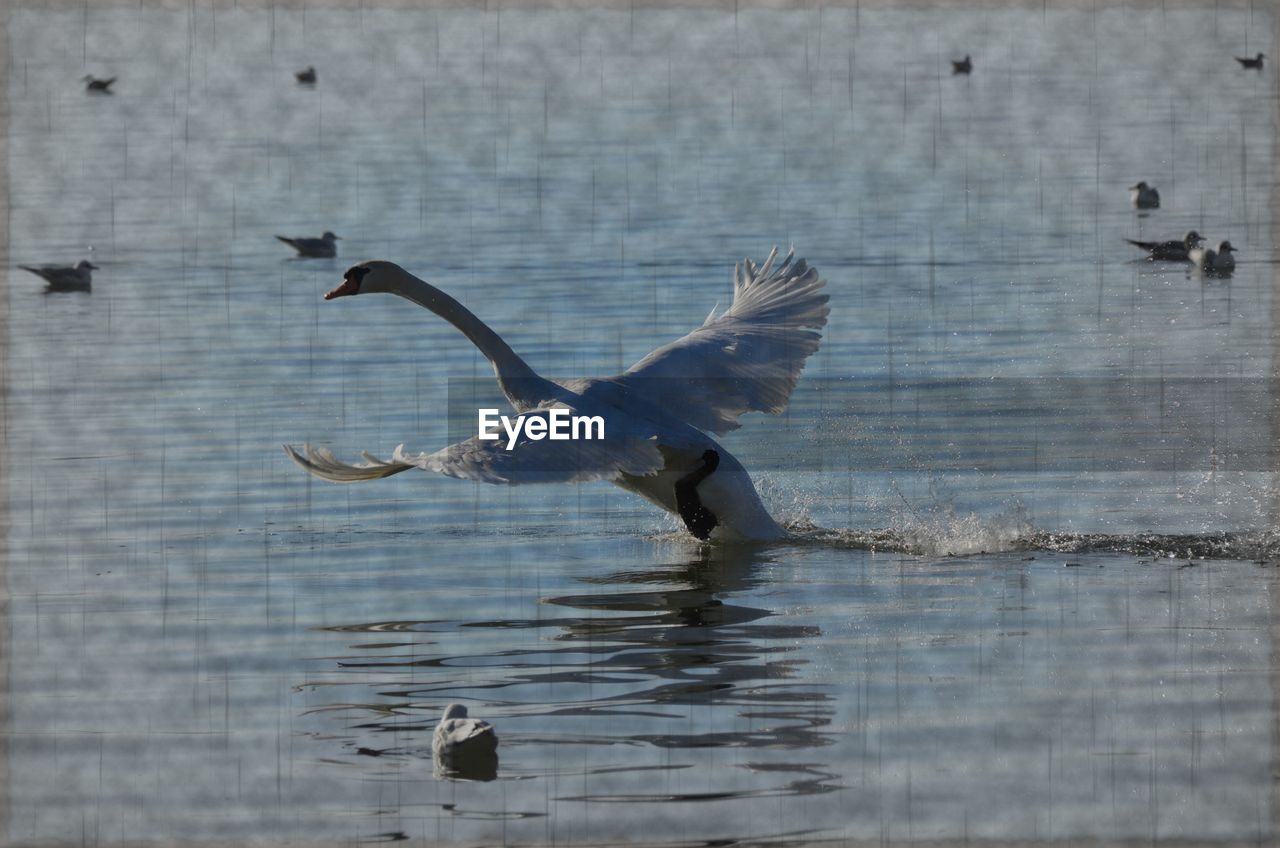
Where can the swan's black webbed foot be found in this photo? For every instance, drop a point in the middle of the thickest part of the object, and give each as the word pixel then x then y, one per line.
pixel 700 520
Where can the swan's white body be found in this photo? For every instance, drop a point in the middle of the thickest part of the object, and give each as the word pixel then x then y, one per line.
pixel 1143 196
pixel 458 735
pixel 657 414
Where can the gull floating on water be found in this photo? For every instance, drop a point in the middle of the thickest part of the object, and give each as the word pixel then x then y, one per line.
pixel 307 77
pixel 962 67
pixel 101 86
pixel 1143 196
pixel 1211 261
pixel 322 247
pixel 1172 251
pixel 65 277
pixel 1254 64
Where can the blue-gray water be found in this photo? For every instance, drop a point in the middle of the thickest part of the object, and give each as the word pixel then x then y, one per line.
pixel 1070 638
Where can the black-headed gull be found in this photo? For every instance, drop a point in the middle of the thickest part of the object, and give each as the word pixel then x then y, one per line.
pixel 962 67
pixel 1253 64
pixel 1172 251
pixel 1210 261
pixel 307 77
pixel 99 86
pixel 65 277
pixel 1143 196
pixel 322 247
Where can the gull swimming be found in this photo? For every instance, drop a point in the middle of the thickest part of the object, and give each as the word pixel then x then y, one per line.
pixel 76 277
pixel 962 67
pixel 658 414
pixel 307 77
pixel 1172 251
pixel 99 86
pixel 1214 262
pixel 317 248
pixel 1253 64
pixel 1143 196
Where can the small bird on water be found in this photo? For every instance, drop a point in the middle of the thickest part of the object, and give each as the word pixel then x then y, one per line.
pixel 1254 64
pixel 1171 251
pixel 319 248
pixel 97 86
pixel 1143 196
pixel 65 277
pixel 964 66
pixel 1218 262
pixel 307 77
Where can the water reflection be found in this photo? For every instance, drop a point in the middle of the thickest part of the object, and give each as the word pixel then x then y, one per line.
pixel 661 658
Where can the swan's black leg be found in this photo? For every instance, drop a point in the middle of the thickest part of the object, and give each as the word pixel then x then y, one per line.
pixel 700 520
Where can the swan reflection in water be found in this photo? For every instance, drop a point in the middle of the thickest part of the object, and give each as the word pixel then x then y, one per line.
pixel 631 663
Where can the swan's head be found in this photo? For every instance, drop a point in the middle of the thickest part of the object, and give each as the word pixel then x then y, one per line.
pixel 367 277
pixel 454 711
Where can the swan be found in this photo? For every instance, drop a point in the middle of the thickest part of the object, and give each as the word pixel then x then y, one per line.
pixel 964 66
pixel 1173 251
pixel 65 278
pixel 1143 196
pixel 321 248
pixel 1210 261
pixel 464 747
pixel 658 414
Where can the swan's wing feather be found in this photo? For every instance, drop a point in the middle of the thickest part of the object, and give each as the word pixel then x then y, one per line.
pixel 543 460
pixel 322 463
pixel 749 358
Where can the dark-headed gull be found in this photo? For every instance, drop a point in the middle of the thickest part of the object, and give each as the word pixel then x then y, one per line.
pixel 1214 262
pixel 1143 196
pixel 98 86
pixel 322 247
pixel 962 67
pixel 1172 251
pixel 307 77
pixel 65 277
pixel 1253 64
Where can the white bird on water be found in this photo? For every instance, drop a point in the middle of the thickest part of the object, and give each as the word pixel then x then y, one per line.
pixel 1143 196
pixel 657 414
pixel 456 734
pixel 65 277
pixel 319 248
pixel 1214 262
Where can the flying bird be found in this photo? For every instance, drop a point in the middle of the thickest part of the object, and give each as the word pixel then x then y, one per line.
pixel 659 415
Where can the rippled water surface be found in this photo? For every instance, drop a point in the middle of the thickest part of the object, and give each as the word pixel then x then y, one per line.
pixel 1032 480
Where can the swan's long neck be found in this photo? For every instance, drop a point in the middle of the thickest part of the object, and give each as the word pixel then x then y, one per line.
pixel 520 383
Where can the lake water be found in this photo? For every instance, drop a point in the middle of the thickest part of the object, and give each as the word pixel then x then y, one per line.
pixel 1032 481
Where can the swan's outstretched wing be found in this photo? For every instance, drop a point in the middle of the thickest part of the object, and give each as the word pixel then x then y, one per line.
pixel 746 359
pixel 528 461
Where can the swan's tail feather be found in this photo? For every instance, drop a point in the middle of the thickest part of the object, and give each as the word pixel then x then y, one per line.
pixel 323 464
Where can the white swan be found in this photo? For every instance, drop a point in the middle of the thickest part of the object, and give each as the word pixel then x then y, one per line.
pixel 745 359
pixel 457 735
